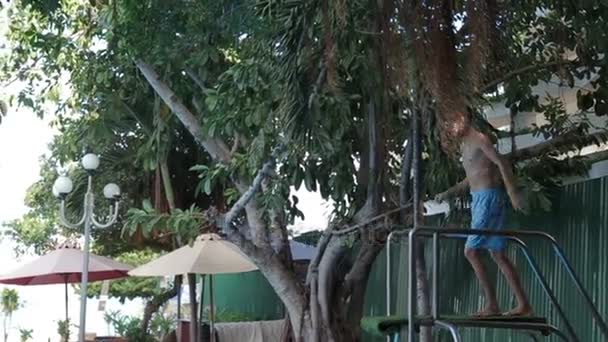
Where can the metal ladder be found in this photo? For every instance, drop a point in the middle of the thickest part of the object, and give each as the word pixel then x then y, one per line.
pixel 514 237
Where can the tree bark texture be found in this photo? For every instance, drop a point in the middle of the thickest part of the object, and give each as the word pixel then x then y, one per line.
pixel 330 306
pixel 157 302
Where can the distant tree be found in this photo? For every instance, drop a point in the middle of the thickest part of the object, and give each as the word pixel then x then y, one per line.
pixel 26 334
pixel 9 303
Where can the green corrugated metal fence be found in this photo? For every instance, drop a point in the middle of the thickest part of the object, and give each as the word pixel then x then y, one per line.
pixel 244 294
pixel 579 221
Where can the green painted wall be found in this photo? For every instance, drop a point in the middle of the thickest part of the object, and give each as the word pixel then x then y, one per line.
pixel 578 220
pixel 244 295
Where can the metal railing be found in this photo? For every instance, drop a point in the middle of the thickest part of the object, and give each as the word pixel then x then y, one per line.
pixel 512 236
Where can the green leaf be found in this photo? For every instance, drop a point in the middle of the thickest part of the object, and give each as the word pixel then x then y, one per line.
pixel 297 178
pixel 207 186
pixel 309 181
pixel 147 205
pixel 211 102
pixel 199 168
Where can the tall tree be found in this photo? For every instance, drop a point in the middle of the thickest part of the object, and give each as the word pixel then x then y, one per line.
pixel 25 334
pixel 10 304
pixel 259 97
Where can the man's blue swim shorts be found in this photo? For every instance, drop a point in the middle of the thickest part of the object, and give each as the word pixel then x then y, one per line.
pixel 488 212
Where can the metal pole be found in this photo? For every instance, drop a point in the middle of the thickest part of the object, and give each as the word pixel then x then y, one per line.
pixel 211 310
pixel 193 320
pixel 435 304
pixel 388 278
pixel 451 328
pixel 412 235
pixel 178 281
pixel 388 274
pixel 579 286
pixel 200 309
pixel 411 308
pixel 88 199
pixel 561 335
pixel 67 316
pixel 532 337
pixel 513 237
pixel 545 286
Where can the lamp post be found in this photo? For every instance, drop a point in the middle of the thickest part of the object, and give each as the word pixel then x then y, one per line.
pixel 63 186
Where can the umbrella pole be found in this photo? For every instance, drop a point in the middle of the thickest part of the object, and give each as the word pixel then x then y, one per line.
pixel 193 320
pixel 178 329
pixel 211 310
pixel 200 310
pixel 67 317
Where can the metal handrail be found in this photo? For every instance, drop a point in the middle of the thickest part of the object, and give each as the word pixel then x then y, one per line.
pixel 451 328
pixel 524 248
pixel 533 337
pixel 515 234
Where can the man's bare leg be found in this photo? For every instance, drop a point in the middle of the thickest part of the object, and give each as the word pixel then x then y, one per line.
pixel 491 307
pixel 507 268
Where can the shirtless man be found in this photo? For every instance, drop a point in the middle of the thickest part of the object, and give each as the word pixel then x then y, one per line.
pixel 486 172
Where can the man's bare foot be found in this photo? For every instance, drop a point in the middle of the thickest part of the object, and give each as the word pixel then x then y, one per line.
pixel 520 310
pixel 488 312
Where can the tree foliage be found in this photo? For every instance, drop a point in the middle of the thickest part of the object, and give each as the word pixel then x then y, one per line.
pixel 10 303
pixel 185 102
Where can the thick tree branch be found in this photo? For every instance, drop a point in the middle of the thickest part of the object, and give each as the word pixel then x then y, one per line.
pixel 154 305
pixel 277 273
pixel 168 186
pixel 527 69
pixel 564 143
pixel 328 273
pixel 195 78
pixel 214 146
pixel 404 179
pixel 235 145
pixel 358 275
pixel 596 157
pixel 313 266
pixel 266 171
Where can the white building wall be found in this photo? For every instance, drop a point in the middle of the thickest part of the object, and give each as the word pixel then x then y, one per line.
pixel 498 115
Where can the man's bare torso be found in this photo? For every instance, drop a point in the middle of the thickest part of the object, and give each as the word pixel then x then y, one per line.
pixel 481 172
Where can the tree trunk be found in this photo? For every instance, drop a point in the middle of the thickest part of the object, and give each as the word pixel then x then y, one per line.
pixel 312 314
pixel 154 305
pixel 423 292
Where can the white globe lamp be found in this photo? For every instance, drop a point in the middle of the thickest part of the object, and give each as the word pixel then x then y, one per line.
pixel 63 186
pixel 111 191
pixel 90 162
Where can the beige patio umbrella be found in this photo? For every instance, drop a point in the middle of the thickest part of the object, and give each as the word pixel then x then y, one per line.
pixel 210 254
